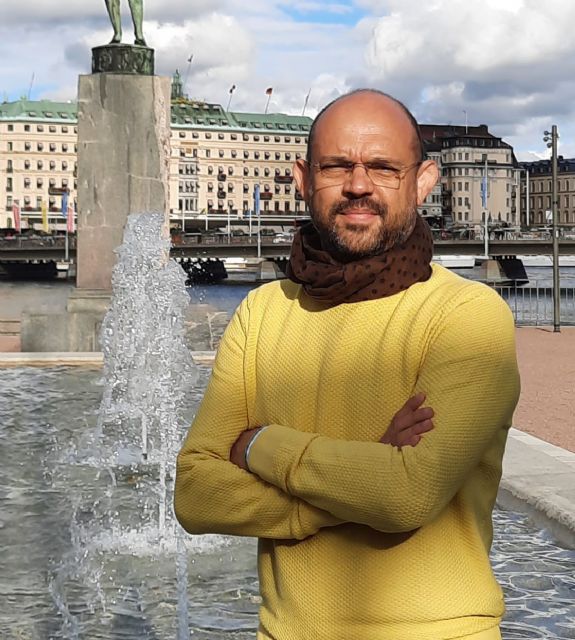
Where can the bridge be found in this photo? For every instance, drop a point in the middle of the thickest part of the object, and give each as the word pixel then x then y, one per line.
pixel 31 250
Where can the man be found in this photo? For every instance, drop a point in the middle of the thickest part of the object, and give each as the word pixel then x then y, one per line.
pixel 360 539
pixel 136 9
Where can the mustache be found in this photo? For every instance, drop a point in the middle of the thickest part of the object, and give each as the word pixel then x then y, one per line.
pixel 346 206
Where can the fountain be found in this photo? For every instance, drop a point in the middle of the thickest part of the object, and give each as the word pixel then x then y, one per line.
pixel 148 372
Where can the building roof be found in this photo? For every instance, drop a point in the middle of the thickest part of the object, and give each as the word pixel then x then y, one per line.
pixel 564 165
pixel 44 110
pixel 185 113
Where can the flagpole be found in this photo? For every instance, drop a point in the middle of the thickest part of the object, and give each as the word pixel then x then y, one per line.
pixel 232 89
pixel 188 71
pixel 305 103
pixel 486 232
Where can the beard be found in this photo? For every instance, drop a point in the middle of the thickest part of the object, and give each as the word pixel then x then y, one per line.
pixel 354 241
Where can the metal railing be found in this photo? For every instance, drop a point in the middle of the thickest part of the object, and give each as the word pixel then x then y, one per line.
pixel 533 305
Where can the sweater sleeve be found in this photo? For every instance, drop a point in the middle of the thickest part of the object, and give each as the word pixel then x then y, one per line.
pixel 212 495
pixel 470 376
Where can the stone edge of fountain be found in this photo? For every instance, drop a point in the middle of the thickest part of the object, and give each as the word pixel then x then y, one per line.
pixel 73 358
pixel 539 480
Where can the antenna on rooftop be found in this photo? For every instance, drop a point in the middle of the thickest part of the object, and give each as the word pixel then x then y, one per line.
pixel 30 87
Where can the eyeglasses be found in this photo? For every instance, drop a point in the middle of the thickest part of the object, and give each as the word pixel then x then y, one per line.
pixel 380 173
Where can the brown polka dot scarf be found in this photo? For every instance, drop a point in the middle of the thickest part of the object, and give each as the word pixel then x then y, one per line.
pixel 326 280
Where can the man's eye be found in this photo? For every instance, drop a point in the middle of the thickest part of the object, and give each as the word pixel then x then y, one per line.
pixel 382 169
pixel 335 167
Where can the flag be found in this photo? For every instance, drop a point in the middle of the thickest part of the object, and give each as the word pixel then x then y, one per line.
pixel 484 191
pixel 70 220
pixel 45 217
pixel 233 88
pixel 65 205
pixel 16 214
pixel 257 199
pixel 269 91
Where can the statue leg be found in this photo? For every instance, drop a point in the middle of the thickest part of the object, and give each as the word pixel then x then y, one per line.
pixel 136 9
pixel 113 7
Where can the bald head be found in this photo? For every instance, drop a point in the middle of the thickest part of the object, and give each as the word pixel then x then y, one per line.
pixel 366 103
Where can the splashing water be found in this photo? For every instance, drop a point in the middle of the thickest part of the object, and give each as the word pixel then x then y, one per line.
pixel 147 373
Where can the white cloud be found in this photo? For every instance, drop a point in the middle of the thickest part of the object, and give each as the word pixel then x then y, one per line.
pixel 508 63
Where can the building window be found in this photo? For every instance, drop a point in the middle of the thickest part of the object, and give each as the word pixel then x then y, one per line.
pixel 26 183
pixel 40 165
pixel 10 127
pixel 64 147
pixel 52 146
pixel 52 165
pixel 26 164
pixel 27 146
pixel 52 129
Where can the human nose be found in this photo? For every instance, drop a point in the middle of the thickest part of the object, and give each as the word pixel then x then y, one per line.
pixel 358 182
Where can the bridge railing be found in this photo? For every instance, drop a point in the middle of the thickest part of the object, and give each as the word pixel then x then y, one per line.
pixel 37 242
pixel 533 305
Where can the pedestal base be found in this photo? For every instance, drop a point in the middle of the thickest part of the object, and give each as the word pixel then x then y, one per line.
pixel 76 329
pixel 123 58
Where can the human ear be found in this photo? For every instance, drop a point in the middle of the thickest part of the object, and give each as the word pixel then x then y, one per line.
pixel 427 178
pixel 301 174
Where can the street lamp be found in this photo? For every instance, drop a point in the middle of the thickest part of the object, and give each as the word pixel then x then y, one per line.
pixel 551 137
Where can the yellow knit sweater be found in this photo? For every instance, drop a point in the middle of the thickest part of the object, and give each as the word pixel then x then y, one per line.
pixel 360 540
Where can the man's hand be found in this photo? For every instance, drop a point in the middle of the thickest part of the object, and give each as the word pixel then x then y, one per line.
pixel 238 450
pixel 409 423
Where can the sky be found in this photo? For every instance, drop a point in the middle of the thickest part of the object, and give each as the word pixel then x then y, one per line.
pixel 505 63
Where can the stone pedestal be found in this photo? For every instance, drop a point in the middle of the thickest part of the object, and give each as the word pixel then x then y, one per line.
pixel 123 167
pixel 123 156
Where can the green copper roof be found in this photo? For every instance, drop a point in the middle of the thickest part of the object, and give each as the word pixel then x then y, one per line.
pixel 44 110
pixel 185 113
pixel 195 113
pixel 273 121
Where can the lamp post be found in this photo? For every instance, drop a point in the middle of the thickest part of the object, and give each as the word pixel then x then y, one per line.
pixel 551 137
pixel 257 212
pixel 484 190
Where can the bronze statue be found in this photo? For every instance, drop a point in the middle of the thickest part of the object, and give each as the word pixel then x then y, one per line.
pixel 136 9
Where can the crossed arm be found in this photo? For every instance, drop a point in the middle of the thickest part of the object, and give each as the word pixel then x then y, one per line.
pixel 212 495
pixel 300 482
